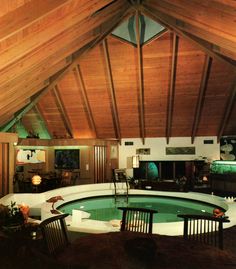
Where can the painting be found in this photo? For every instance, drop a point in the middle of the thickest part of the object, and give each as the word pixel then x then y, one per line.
pixel 180 150
pixel 143 151
pixel 228 148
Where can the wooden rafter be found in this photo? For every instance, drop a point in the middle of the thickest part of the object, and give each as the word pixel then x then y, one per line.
pixel 124 14
pixel 112 91
pixel 71 18
pixel 171 93
pixel 87 107
pixel 32 12
pixel 42 117
pixel 62 110
pixel 157 36
pixel 228 109
pixel 201 95
pixel 170 23
pixel 21 112
pixel 208 28
pixel 140 77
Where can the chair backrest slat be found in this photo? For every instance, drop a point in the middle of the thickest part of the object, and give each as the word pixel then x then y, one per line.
pixel 137 219
pixel 206 229
pixel 54 233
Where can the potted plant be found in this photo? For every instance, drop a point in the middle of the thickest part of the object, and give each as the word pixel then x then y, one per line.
pixel 12 218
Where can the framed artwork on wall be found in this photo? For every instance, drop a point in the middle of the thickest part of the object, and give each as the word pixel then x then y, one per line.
pixel 180 150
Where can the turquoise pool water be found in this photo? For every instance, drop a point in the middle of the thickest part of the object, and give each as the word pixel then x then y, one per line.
pixel 105 208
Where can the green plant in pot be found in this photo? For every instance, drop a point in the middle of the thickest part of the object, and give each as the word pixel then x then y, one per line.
pixel 12 217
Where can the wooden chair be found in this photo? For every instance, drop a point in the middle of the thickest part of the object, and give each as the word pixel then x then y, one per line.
pixel 66 178
pixel 137 219
pixel 206 229
pixel 54 232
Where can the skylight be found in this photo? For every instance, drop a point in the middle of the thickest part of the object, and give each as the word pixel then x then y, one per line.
pixel 148 29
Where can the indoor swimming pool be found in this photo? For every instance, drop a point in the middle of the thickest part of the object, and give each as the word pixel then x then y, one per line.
pixel 105 208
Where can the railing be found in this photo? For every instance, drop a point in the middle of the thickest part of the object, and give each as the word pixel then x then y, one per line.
pixel 120 177
pixel 206 229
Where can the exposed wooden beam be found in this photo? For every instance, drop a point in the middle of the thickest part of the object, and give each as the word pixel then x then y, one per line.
pixel 208 23
pixel 19 19
pixel 157 36
pixel 21 113
pixel 114 109
pixel 25 96
pixel 170 23
pixel 83 92
pixel 42 117
pixel 124 14
pixel 228 109
pixel 57 47
pixel 60 21
pixel 211 49
pixel 62 110
pixel 140 78
pixel 201 95
pixel 171 93
pixel 27 85
pixel 6 118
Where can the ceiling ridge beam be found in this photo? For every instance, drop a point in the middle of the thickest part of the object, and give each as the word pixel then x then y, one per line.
pixel 168 22
pixel 201 95
pixel 171 92
pixel 140 78
pixel 62 109
pixel 79 80
pixel 228 109
pixel 43 120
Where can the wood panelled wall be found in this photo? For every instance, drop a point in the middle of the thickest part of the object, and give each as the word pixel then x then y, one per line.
pixel 7 162
pixel 99 164
pixel 4 169
pixel 96 161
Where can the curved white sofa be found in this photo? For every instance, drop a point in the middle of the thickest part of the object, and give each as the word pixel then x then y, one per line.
pixel 39 206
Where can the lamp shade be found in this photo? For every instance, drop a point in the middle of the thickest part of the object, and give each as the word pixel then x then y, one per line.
pixel 36 180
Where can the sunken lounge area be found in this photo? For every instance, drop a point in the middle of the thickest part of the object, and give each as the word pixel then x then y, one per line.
pixel 117 134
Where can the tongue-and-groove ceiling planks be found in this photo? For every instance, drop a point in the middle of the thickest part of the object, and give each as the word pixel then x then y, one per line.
pixel 64 75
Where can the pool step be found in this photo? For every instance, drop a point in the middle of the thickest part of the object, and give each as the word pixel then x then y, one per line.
pixel 122 193
pixel 121 199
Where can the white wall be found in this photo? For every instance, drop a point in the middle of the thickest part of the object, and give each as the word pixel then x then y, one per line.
pixel 158 150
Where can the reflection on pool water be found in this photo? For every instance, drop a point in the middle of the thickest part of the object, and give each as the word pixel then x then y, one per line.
pixel 105 208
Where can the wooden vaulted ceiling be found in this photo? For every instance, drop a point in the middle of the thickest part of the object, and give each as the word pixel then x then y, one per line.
pixel 64 75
